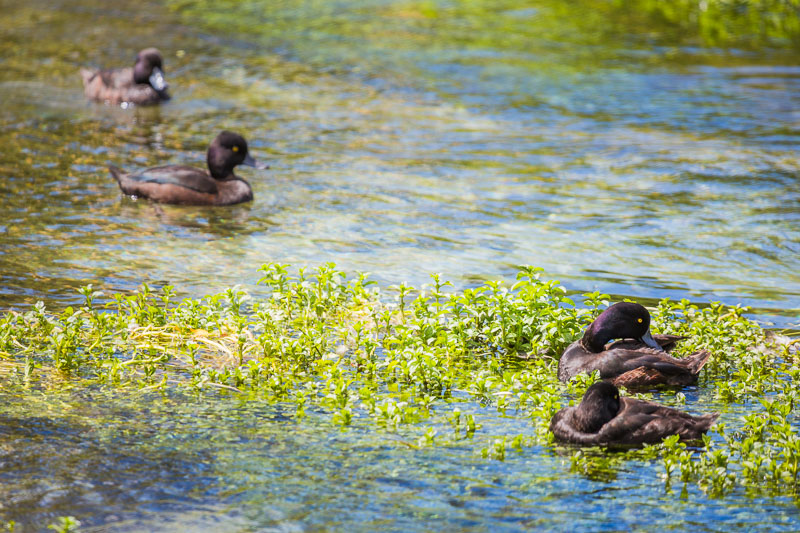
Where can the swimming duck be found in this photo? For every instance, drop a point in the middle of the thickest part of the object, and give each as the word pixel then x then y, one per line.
pixel 178 184
pixel 637 359
pixel 603 417
pixel 143 84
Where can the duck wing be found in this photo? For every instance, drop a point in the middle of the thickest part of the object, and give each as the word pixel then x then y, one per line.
pixel 118 78
pixel 641 377
pixel 639 421
pixel 613 363
pixel 644 366
pixel 182 176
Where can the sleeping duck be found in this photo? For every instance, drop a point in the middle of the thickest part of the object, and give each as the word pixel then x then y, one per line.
pixel 603 418
pixel 178 184
pixel 141 85
pixel 636 359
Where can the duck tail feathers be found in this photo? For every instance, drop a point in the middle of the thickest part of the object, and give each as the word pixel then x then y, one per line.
pixel 705 422
pixel 697 361
pixel 116 172
pixel 87 75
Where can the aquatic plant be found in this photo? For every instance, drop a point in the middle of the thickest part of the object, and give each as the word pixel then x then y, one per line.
pixel 65 524
pixel 420 363
pixel 751 23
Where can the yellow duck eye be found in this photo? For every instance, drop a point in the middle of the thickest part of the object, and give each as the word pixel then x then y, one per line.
pixel 236 149
pixel 639 320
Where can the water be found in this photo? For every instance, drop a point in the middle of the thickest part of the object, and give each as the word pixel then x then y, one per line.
pixel 404 138
pixel 165 463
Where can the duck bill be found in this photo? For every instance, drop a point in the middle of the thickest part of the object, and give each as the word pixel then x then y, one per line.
pixel 157 80
pixel 251 162
pixel 648 339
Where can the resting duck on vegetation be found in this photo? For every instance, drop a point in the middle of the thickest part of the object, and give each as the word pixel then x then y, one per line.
pixel 636 359
pixel 178 184
pixel 142 85
pixel 603 418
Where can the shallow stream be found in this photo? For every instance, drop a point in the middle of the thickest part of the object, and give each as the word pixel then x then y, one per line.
pixel 404 138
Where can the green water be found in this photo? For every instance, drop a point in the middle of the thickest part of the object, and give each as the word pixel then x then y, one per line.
pixel 620 153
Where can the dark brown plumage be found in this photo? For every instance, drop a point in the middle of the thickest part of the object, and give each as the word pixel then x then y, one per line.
pixel 636 359
pixel 142 85
pixel 603 418
pixel 178 184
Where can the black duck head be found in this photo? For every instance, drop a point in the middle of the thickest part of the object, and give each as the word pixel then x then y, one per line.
pixel 227 151
pixel 149 69
pixel 599 405
pixel 623 320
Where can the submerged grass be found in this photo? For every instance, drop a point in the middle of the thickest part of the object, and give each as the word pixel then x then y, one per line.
pixel 423 368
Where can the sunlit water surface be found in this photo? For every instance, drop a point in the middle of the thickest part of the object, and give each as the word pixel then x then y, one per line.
pixel 404 139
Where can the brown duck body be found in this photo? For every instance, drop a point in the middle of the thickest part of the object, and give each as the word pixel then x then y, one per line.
pixel 603 418
pixel 117 86
pixel 143 84
pixel 182 185
pixel 629 363
pixel 179 184
pixel 636 359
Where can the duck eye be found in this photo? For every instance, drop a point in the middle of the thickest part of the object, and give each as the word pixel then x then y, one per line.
pixel 236 149
pixel 639 320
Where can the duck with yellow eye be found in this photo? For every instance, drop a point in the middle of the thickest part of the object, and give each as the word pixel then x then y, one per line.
pixel 603 418
pixel 636 358
pixel 179 184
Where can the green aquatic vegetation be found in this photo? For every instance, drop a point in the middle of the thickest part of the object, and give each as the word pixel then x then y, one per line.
pixel 428 366
pixel 762 456
pixel 751 23
pixel 65 524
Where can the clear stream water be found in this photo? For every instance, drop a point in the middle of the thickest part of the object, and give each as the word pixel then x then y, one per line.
pixel 404 138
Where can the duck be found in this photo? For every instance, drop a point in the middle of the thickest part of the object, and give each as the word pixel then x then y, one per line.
pixel 636 359
pixel 143 84
pixel 605 418
pixel 184 185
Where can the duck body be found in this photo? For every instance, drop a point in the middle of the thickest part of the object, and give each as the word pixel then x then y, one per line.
pixel 604 418
pixel 142 84
pixel 636 359
pixel 184 185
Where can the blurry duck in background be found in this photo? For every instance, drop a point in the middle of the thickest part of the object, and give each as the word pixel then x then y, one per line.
pixel 143 84
pixel 603 418
pixel 636 359
pixel 179 184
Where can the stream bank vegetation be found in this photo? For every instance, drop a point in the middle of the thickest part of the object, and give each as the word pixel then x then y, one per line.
pixel 420 364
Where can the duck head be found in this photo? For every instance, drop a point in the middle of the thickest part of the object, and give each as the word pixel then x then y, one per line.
pixel 623 320
pixel 149 69
pixel 227 151
pixel 599 405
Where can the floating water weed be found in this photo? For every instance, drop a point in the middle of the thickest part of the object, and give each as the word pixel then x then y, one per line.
pixel 65 524
pixel 425 366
